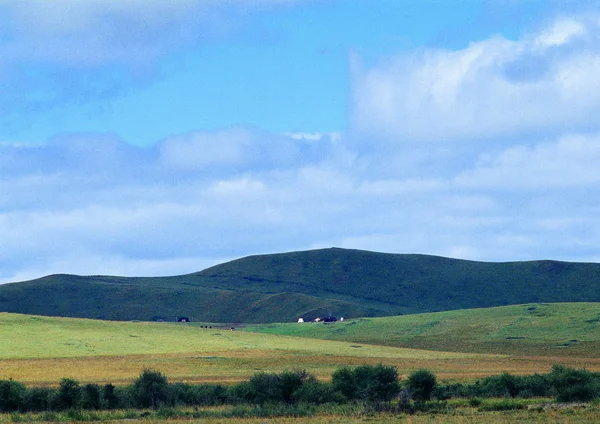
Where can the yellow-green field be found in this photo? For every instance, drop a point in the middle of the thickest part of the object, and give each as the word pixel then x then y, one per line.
pixel 41 350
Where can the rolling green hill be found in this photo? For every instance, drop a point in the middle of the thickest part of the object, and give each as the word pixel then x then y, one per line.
pixel 552 329
pixel 282 287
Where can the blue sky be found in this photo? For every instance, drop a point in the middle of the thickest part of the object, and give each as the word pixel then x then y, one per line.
pixel 156 138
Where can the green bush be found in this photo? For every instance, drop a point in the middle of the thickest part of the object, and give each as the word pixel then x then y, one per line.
pixel 110 400
pixel 317 392
pixel 369 383
pixel 422 383
pixel 12 396
pixel 150 389
pixel 271 387
pixel 574 385
pixel 91 397
pixel 40 399
pixel 68 395
pixel 344 381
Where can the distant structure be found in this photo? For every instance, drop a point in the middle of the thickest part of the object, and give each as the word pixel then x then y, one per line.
pixel 341 319
pixel 329 319
pixel 183 319
pixel 300 320
pixel 317 319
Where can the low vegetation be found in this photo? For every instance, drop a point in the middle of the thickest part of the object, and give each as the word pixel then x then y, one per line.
pixel 362 389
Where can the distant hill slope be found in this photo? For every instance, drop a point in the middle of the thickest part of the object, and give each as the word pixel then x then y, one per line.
pixel 534 329
pixel 282 287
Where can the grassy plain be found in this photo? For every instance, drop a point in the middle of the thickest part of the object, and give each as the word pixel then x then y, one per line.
pixel 41 350
pixel 554 329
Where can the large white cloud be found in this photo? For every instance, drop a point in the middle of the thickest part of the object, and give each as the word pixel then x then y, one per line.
pixel 91 204
pixel 546 82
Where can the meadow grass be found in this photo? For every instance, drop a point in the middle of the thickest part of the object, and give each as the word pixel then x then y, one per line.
pixel 557 329
pixel 568 414
pixel 42 350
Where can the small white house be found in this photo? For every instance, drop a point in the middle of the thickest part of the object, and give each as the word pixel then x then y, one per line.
pixel 341 318
pixel 317 319
pixel 300 320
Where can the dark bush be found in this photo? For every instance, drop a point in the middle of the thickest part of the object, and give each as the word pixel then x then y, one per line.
pixel 68 395
pixel 263 388
pixel 369 383
pixel 91 397
pixel 454 390
pixel 150 389
pixel 422 383
pixel 344 381
pixel 40 399
pixel 574 385
pixel 12 396
pixel 290 382
pixel 317 392
pixel 110 400
pixel 535 385
pixel 378 383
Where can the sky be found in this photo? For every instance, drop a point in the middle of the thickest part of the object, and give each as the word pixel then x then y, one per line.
pixel 157 138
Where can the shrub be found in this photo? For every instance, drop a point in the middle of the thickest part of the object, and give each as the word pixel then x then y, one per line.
pixel 573 385
pixel 369 383
pixel 291 381
pixel 344 381
pixel 110 400
pixel 40 399
pixel 316 392
pixel 263 388
pixel 150 389
pixel 422 383
pixel 271 388
pixel 68 395
pixel 12 396
pixel 91 397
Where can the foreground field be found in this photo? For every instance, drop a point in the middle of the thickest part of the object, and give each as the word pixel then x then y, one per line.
pixel 566 414
pixel 556 329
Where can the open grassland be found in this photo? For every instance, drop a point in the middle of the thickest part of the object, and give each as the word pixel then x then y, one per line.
pixel 41 350
pixel 556 329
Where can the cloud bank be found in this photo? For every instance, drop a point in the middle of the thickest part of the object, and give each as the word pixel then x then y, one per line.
pixel 485 153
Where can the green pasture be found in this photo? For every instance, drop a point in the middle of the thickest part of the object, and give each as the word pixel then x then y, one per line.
pixel 555 329
pixel 25 336
pixel 42 350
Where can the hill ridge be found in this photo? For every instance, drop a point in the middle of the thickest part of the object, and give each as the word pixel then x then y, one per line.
pixel 315 282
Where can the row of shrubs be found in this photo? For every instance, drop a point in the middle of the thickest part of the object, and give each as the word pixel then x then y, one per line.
pixel 563 383
pixel 376 386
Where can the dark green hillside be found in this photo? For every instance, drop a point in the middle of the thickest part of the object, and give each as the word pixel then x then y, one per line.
pixel 282 287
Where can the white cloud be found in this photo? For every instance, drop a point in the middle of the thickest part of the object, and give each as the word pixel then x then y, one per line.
pixel 572 161
pixel 560 33
pixel 491 89
pixel 149 217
